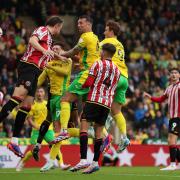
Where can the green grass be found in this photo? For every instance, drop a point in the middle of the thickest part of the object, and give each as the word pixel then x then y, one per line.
pixel 109 173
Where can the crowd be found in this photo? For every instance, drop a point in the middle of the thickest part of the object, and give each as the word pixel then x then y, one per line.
pixel 150 33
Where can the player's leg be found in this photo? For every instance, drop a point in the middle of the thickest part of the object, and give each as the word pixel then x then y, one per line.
pixel 43 129
pixel 119 100
pixel 172 142
pixel 27 83
pixel 100 116
pixel 18 125
pixel 74 90
pixel 28 155
pixel 83 146
pixel 20 91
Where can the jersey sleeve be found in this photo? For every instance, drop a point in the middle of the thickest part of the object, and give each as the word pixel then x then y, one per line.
pixel 42 77
pixel 31 113
pixel 40 33
pixel 82 42
pixel 94 69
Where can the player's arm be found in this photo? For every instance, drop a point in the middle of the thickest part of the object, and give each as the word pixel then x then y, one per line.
pixel 32 123
pixel 78 48
pixel 92 76
pixel 155 99
pixel 42 78
pixel 34 41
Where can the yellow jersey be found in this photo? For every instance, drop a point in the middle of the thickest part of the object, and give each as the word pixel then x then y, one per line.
pixel 89 46
pixel 39 113
pixel 58 73
pixel 118 58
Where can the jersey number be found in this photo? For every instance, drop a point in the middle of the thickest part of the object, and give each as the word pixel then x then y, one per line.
pixel 120 55
pixel 107 82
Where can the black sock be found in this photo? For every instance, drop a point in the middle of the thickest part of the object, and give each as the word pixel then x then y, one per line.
pixel 8 107
pixel 19 121
pixel 97 146
pixel 178 155
pixel 173 153
pixel 83 144
pixel 42 131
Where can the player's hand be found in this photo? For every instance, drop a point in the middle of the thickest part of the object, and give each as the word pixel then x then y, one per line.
pixel 145 94
pixel 49 53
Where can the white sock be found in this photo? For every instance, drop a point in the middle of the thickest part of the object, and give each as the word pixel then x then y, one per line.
pixel 14 140
pixel 173 164
pixel 83 160
pixel 95 163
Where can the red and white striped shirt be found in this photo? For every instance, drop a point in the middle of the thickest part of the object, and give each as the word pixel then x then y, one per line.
pixel 102 80
pixel 34 56
pixel 172 94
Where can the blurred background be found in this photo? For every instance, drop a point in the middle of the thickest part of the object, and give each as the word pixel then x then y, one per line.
pixel 150 33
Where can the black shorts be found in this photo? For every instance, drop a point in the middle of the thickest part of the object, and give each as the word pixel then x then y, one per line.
pixel 28 76
pixel 174 126
pixel 95 113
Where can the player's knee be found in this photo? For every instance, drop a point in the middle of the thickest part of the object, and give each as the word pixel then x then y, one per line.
pixel 115 108
pixel 20 92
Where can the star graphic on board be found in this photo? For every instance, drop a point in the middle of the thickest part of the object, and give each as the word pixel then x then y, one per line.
pixel 160 157
pixel 125 158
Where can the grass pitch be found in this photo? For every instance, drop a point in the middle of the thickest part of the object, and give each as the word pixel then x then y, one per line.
pixel 105 173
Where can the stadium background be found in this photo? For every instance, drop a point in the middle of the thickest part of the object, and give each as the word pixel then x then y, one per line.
pixel 150 33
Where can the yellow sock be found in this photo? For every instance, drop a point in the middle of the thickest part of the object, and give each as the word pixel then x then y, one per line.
pixel 65 114
pixel 54 151
pixel 105 133
pixel 121 122
pixel 60 161
pixel 28 155
pixel 73 132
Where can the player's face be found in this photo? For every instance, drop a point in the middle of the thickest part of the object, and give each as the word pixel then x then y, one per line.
pixel 57 48
pixel 82 25
pixel 174 75
pixel 57 29
pixel 40 94
pixel 107 32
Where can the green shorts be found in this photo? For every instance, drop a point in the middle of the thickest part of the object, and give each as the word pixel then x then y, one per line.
pixel 120 94
pixel 55 107
pixel 49 136
pixel 76 85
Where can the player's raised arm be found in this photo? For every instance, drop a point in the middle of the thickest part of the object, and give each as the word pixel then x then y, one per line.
pixel 34 41
pixel 72 52
pixel 42 78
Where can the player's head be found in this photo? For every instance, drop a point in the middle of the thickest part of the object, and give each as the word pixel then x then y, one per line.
pixel 55 24
pixel 85 24
pixel 174 75
pixel 40 94
pixel 58 47
pixel 107 51
pixel 1 32
pixel 112 29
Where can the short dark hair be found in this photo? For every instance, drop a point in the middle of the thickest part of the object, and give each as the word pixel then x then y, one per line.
pixel 58 43
pixel 111 49
pixel 113 26
pixel 174 69
pixel 88 18
pixel 53 20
